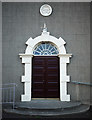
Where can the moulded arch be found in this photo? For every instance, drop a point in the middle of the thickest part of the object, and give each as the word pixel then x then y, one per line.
pixel 45 37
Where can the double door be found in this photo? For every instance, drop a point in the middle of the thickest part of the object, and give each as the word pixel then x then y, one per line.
pixel 45 77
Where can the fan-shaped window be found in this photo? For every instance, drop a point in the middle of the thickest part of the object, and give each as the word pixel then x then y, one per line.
pixel 45 49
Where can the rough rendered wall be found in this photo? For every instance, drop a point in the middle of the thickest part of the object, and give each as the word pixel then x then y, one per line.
pixel 0 58
pixel 71 21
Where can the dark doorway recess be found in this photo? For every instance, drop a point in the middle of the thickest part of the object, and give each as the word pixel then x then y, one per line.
pixel 45 77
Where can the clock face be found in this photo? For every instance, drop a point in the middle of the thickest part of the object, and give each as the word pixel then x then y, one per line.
pixel 45 10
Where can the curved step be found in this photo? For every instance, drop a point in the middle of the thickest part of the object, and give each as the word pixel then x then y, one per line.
pixel 60 112
pixel 47 105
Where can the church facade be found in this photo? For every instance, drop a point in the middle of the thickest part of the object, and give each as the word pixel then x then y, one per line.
pixel 46 50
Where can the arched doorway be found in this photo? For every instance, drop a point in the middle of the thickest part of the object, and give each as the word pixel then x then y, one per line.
pixel 45 71
pixel 59 50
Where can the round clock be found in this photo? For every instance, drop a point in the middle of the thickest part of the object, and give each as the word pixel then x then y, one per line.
pixel 45 10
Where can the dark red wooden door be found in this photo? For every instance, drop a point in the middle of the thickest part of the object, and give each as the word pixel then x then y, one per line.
pixel 45 79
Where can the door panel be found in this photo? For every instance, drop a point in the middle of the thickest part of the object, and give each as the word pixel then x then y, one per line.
pixel 45 83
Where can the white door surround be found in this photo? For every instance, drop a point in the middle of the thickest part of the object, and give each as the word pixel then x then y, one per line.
pixel 27 60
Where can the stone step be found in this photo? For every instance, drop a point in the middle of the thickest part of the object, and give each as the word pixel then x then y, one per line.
pixel 46 105
pixel 34 112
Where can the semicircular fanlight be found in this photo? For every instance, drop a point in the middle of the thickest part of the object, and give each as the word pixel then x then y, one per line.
pixel 45 49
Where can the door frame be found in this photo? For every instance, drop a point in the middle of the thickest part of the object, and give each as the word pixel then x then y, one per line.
pixel 27 60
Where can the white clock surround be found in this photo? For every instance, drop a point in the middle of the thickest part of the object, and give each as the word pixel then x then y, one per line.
pixel 27 60
pixel 46 10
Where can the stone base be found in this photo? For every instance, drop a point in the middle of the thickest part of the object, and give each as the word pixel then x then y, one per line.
pixel 47 108
pixel 25 98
